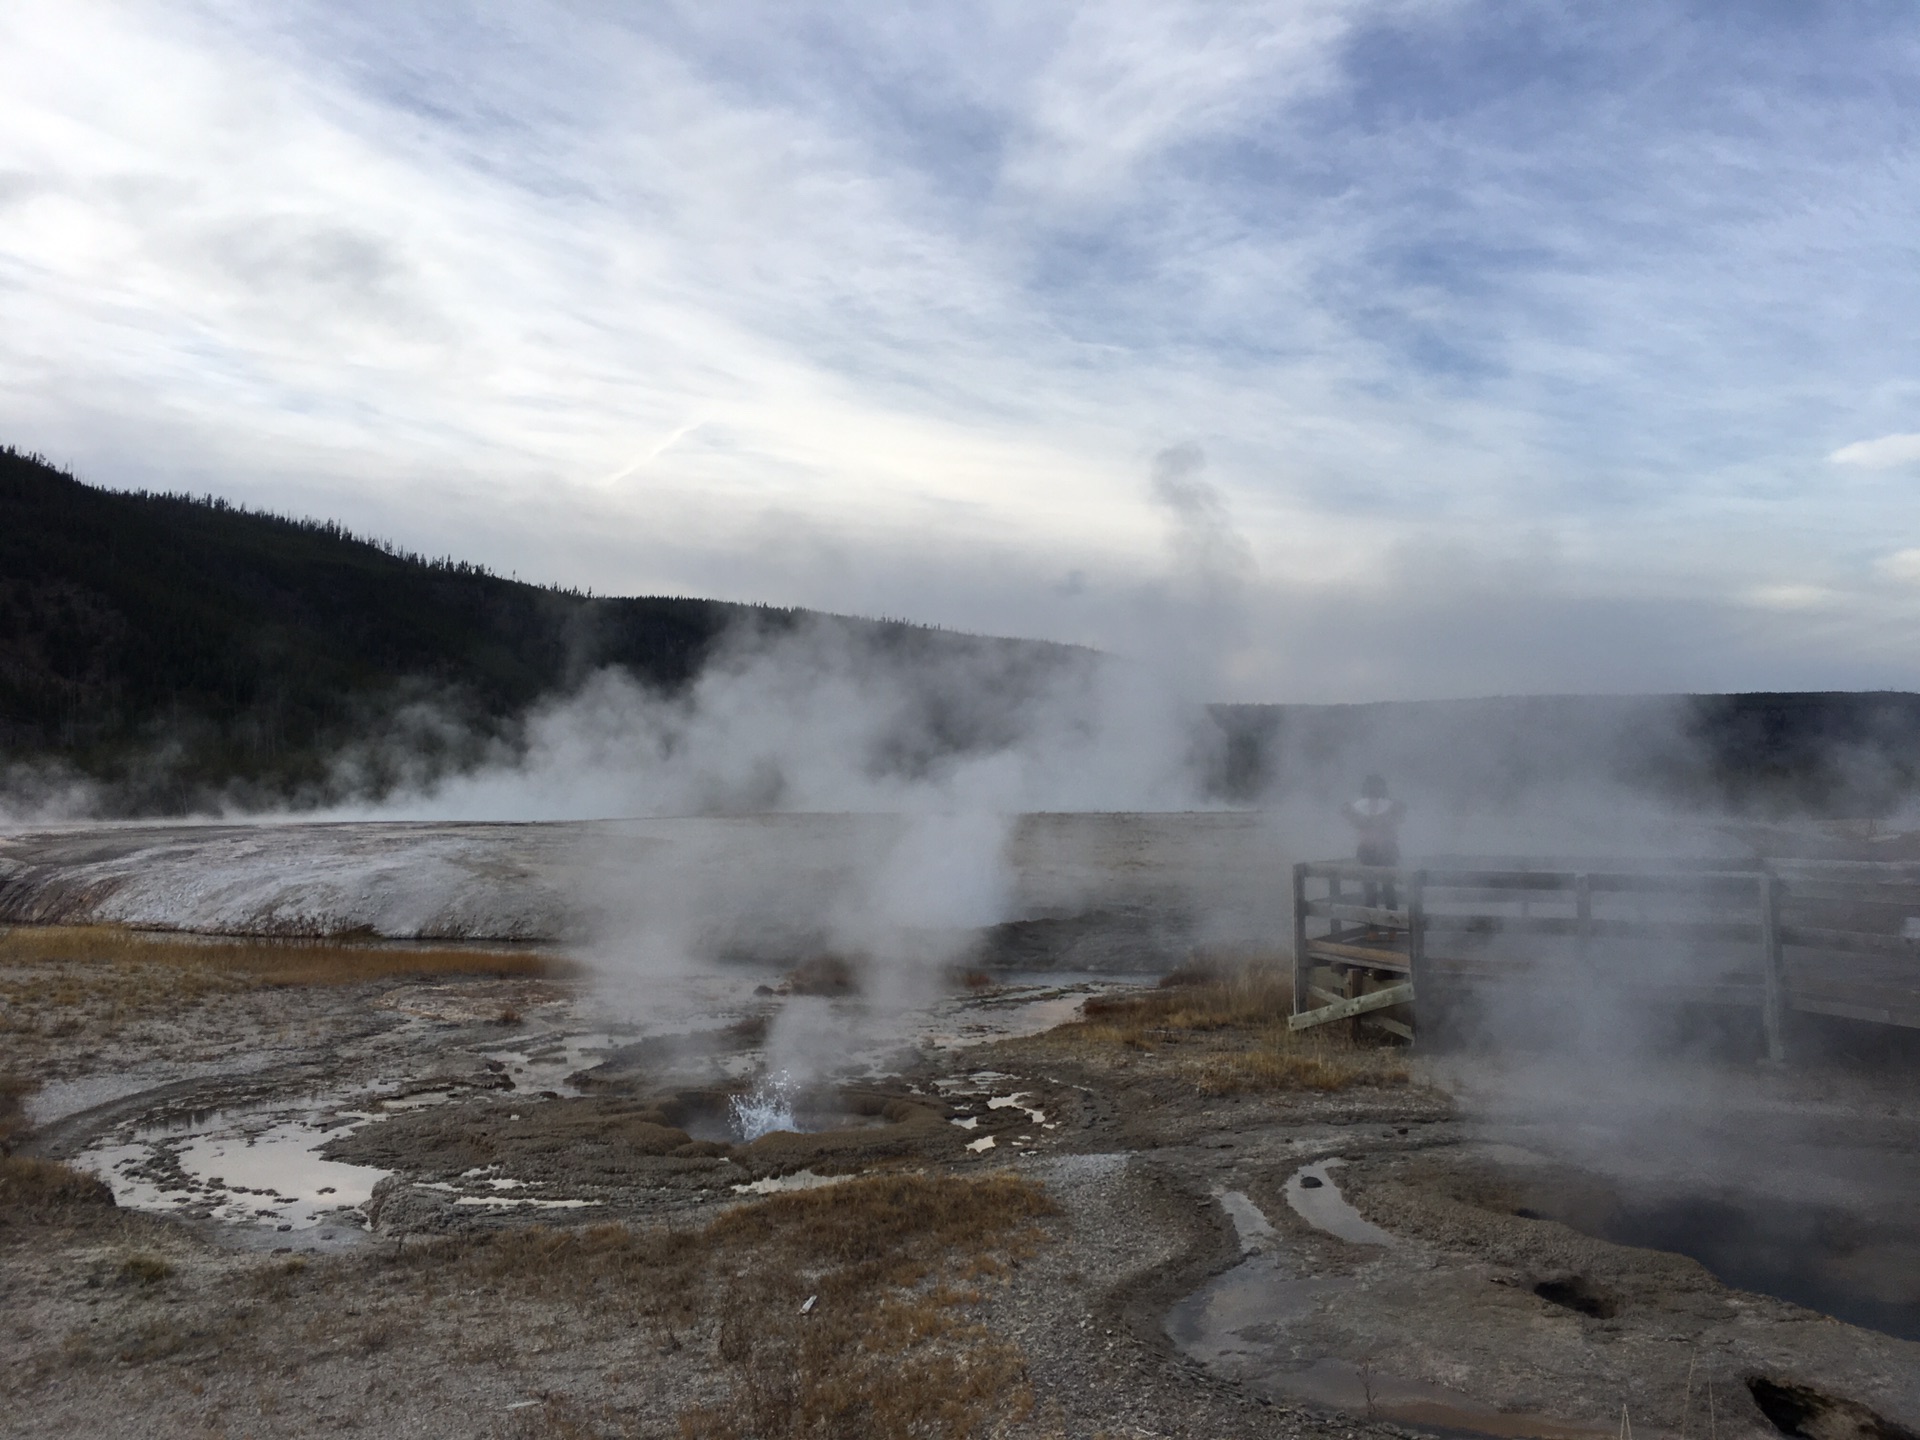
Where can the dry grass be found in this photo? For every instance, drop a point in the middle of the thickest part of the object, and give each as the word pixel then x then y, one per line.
pixel 264 960
pixel 1224 1030
pixel 14 1090
pixel 889 1346
pixel 1199 1002
pixel 32 1186
pixel 1308 1065
pixel 144 1270
pixel 57 980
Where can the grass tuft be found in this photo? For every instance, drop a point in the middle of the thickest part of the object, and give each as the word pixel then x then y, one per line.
pixel 14 1090
pixel 1256 995
pixel 36 1185
pixel 144 1269
pixel 1224 1030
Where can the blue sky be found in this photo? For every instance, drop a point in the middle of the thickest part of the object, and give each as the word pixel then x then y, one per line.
pixel 1516 347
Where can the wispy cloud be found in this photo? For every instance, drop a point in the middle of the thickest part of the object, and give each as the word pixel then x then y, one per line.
pixel 1886 453
pixel 891 309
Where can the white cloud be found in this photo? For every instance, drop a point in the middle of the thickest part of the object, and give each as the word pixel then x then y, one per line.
pixel 1902 565
pixel 1887 453
pixel 766 301
pixel 1791 597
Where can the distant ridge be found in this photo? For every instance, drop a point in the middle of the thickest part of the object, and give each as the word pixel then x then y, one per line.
pixel 174 646
pixel 1827 754
pixel 184 653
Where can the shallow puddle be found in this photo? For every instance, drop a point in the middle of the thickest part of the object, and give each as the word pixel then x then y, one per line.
pixel 1316 1199
pixel 254 1166
pixel 544 1062
pixel 1014 1011
pixel 1255 1231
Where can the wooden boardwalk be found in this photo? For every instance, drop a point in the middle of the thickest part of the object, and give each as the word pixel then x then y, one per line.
pixel 1816 937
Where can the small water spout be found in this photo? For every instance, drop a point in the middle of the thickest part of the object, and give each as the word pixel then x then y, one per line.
pixel 765 1108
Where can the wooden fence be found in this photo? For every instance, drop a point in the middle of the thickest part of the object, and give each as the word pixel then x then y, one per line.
pixel 1818 937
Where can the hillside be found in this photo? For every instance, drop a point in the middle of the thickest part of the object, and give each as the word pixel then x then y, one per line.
pixel 175 647
pixel 1831 755
pixel 183 652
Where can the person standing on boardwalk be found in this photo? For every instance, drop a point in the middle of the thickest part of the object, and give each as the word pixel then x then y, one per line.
pixel 1376 818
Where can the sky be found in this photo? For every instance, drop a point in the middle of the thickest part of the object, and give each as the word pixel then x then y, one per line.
pixel 1371 349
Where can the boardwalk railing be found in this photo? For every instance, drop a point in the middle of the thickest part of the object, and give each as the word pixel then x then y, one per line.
pixel 1818 937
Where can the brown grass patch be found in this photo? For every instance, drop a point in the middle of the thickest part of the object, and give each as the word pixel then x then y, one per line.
pixel 144 1269
pixel 38 1185
pixel 1197 1001
pixel 261 960
pixel 1227 1030
pixel 14 1090
pixel 53 975
pixel 1312 1065
pixel 887 1347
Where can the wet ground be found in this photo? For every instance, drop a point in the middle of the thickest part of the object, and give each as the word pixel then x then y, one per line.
pixel 1242 1264
pixel 1502 1247
pixel 1090 891
pixel 317 1151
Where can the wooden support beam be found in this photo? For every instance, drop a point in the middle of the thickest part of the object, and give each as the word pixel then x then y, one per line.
pixel 1392 1027
pixel 1726 884
pixel 1416 939
pixel 1353 870
pixel 1516 880
pixel 1301 963
pixel 1377 915
pixel 1847 1010
pixel 1731 931
pixel 1401 994
pixel 1358 955
pixel 1854 941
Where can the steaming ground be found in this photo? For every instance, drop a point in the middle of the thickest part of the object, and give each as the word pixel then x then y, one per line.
pixel 1092 890
pixel 1104 1228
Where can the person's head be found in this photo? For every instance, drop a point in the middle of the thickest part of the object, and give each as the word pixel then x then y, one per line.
pixel 1374 787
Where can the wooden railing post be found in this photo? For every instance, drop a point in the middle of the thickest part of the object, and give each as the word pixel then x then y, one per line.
pixel 1772 979
pixel 1583 914
pixel 1417 942
pixel 1300 999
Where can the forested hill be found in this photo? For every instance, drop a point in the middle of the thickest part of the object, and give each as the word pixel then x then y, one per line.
pixel 180 653
pixel 175 646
